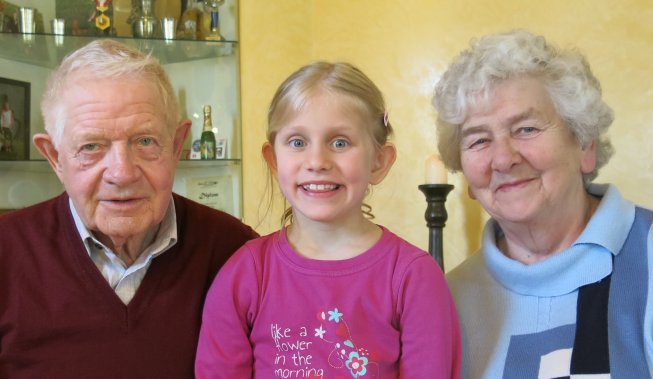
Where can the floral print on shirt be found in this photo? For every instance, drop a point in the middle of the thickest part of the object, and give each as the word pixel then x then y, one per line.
pixel 356 360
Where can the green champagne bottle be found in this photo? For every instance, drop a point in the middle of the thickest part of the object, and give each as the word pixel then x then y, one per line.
pixel 207 140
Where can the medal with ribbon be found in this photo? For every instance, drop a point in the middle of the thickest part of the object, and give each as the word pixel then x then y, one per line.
pixel 102 22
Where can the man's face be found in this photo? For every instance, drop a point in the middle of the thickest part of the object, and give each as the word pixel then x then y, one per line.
pixel 117 156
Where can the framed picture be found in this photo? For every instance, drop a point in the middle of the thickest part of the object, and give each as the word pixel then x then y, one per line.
pixel 213 191
pixel 14 119
pixel 221 148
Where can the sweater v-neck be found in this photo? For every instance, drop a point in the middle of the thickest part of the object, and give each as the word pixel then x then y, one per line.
pixel 99 287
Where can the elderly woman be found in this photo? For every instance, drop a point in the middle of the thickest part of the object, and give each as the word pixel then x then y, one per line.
pixel 561 285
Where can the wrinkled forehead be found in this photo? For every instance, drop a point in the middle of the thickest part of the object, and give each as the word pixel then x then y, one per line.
pixel 84 86
pixel 482 100
pixel 86 78
pixel 109 94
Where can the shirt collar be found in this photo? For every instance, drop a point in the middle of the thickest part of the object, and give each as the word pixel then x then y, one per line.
pixel 603 228
pixel 166 237
pixel 588 260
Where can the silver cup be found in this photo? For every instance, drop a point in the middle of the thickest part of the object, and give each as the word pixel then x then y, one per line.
pixel 144 27
pixel 58 29
pixel 168 28
pixel 26 22
pixel 58 26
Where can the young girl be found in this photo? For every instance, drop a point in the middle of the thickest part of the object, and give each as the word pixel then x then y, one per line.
pixel 330 295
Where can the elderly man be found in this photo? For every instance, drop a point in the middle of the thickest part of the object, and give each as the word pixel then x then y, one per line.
pixel 108 279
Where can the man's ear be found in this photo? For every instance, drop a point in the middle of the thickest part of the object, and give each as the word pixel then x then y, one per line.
pixel 383 161
pixel 180 136
pixel 268 153
pixel 45 146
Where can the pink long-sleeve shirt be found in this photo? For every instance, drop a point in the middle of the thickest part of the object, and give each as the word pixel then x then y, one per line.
pixel 272 313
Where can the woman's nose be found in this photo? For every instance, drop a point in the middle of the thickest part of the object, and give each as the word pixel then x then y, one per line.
pixel 505 154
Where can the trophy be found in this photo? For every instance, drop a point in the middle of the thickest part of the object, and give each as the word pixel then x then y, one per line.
pixel 211 8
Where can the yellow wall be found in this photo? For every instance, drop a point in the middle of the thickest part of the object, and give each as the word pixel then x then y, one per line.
pixel 404 46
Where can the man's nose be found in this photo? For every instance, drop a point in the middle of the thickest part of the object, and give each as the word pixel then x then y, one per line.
pixel 121 165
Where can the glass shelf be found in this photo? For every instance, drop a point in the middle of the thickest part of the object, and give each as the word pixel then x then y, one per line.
pixel 188 163
pixel 47 50
pixel 34 165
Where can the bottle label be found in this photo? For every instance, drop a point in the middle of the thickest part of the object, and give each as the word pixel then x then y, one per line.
pixel 207 150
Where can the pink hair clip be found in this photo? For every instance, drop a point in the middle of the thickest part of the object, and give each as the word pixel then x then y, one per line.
pixel 385 119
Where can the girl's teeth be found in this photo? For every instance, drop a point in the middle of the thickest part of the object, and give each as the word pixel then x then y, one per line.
pixel 320 187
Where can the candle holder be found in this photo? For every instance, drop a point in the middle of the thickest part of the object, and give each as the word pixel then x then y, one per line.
pixel 436 216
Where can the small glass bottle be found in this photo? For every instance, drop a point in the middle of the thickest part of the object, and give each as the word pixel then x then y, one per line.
pixel 207 139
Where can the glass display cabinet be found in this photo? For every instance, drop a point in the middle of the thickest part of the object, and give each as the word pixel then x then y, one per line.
pixel 202 72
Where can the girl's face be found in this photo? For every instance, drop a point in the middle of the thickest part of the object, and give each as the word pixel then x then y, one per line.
pixel 324 159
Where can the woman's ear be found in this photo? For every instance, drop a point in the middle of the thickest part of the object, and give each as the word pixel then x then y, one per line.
pixel 270 158
pixel 588 158
pixel 383 161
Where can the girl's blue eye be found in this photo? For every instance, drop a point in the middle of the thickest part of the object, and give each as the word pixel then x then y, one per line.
pixel 296 143
pixel 340 144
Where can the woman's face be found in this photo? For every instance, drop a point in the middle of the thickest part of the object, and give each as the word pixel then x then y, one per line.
pixel 521 161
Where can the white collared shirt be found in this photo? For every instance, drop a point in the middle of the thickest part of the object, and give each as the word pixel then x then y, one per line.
pixel 124 279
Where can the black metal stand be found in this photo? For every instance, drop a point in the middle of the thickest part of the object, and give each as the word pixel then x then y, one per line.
pixel 436 216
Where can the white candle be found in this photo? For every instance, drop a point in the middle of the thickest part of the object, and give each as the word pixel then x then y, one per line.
pixel 435 171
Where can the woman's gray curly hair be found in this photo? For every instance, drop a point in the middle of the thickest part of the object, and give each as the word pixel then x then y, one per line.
pixel 471 77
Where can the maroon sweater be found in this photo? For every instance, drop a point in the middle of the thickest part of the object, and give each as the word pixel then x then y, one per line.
pixel 60 319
